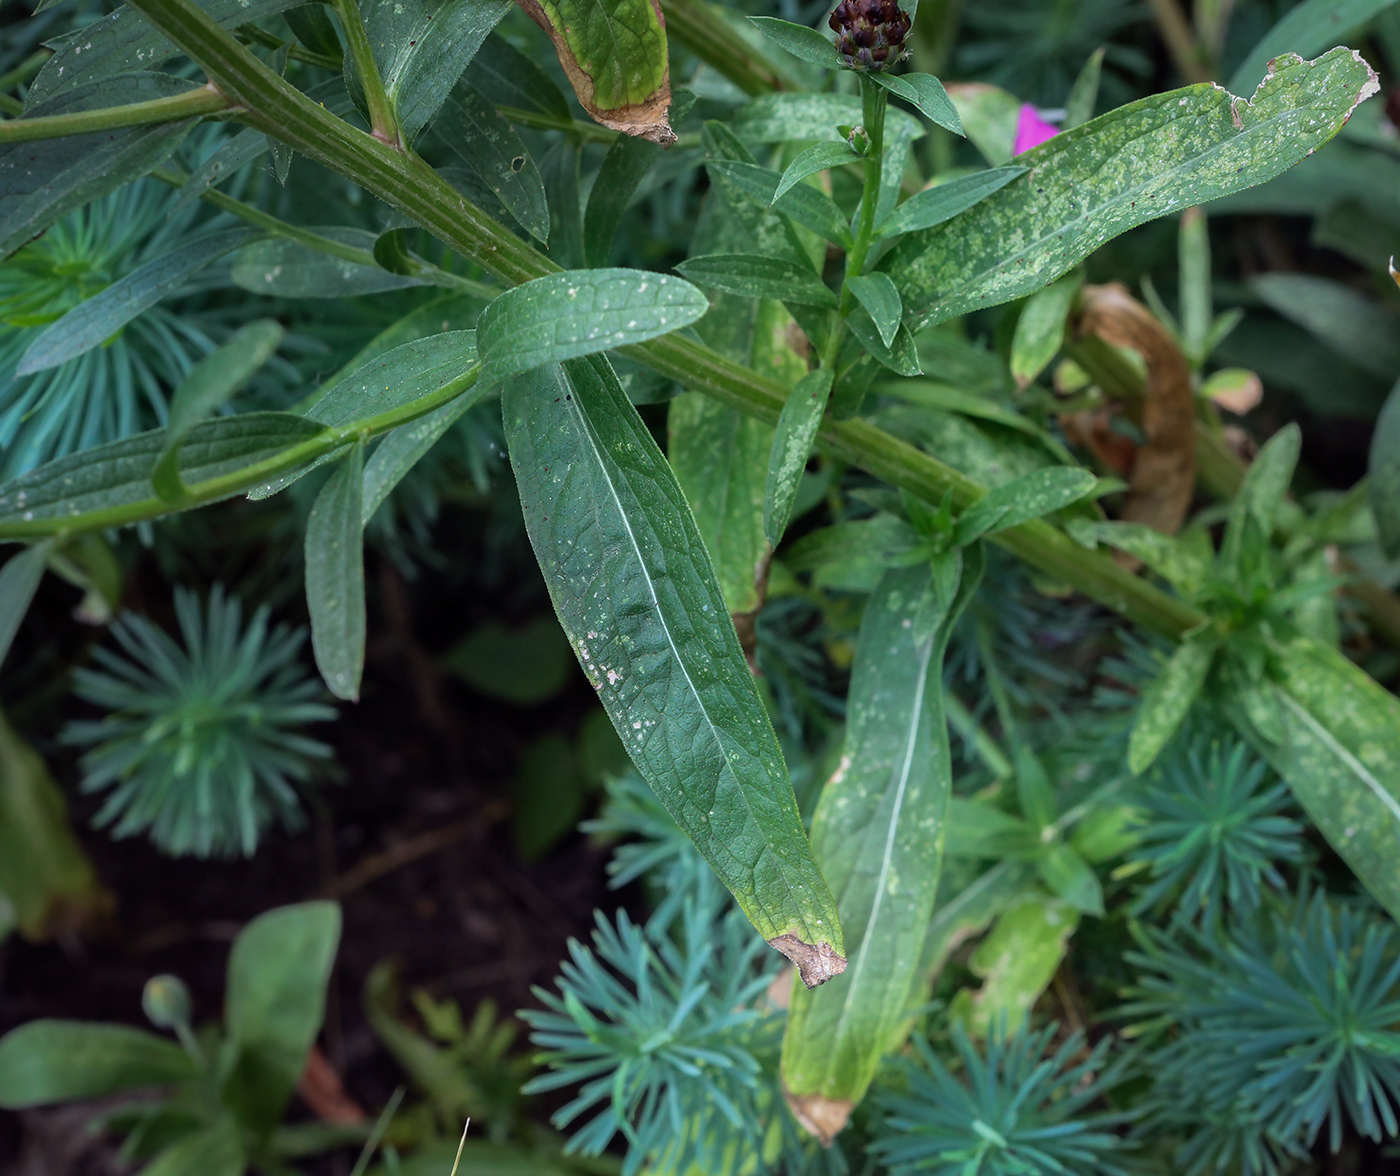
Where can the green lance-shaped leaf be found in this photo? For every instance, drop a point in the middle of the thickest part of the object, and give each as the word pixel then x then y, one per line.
pixel 754 275
pixel 1307 28
pixel 624 167
pixel 335 577
pixel 925 92
pixel 1016 961
pixel 1150 158
pixel 41 182
pixel 235 154
pixel 1040 331
pixel 881 300
pixel 935 205
pixel 421 48
pixel 512 78
pixel 471 126
pixel 635 592
pixel 614 53
pixel 878 833
pixel 1257 502
pixel 1183 560
pixel 55 1061
pixel 274 1003
pixel 802 42
pixel 1030 496
pixel 1383 473
pixel 901 356
pixel 792 446
pixel 809 207
pixel 1166 701
pixel 212 1151
pixel 95 320
pixel 819 157
pixel 1339 751
pixel 209 383
pixel 19 580
pixel 289 269
pixel 1069 877
pixel 794 117
pixel 581 312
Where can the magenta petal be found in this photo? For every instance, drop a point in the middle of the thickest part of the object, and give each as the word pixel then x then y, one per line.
pixel 1032 130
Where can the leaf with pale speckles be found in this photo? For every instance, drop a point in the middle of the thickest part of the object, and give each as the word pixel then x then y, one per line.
pixel 1149 158
pixel 634 590
pixel 878 834
pixel 792 446
pixel 335 577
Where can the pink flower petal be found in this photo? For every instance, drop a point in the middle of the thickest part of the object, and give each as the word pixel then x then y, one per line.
pixel 1032 130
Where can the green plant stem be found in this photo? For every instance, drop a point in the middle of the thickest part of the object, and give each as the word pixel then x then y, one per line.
pixel 696 26
pixel 874 102
pixel 1180 39
pixel 294 51
pixel 226 486
pixel 25 70
pixel 190 104
pixel 10 105
pixel 383 123
pixel 404 181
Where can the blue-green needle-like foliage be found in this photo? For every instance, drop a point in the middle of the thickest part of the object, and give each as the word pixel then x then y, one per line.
pixel 1214 829
pixel 1286 1025
pixel 661 1034
pixel 203 742
pixel 1017 1107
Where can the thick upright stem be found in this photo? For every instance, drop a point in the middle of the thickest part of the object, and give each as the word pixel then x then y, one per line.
pixel 382 120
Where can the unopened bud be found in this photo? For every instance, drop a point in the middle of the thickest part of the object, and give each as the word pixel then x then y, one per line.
pixel 166 1002
pixel 870 33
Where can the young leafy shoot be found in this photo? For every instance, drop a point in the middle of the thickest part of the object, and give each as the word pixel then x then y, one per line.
pixel 792 446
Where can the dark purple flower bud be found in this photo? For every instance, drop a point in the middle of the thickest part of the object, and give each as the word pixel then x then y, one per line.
pixel 870 33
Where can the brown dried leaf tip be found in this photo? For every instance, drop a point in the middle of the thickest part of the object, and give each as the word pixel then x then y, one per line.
pixel 820 1116
pixel 870 33
pixel 815 964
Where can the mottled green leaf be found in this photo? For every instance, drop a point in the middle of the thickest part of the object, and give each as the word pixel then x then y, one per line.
pixel 817 158
pixel 55 1061
pixel 799 40
pixel 1305 29
pixel 809 207
pixel 754 275
pixel 274 1002
pixel 878 833
pixel 421 48
pixel 635 592
pixel 287 269
pixel 1182 560
pixel 935 205
pixel 925 92
pixel 1040 331
pixel 1016 961
pixel 581 312
pixel 792 446
pixel 1168 698
pixel 1260 496
pixel 1148 158
pixel 965 911
pixel 1383 473
pixel 1027 497
pixel 901 356
pixel 884 539
pixel 881 300
pixel 791 116
pixel 471 126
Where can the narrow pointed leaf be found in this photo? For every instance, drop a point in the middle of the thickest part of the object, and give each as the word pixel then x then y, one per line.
pixel 288 269
pixel 1084 94
pixel 811 209
pixel 881 300
pixel 1069 877
pixel 788 117
pixel 624 167
pixel 927 93
pixel 335 577
pixel 1030 496
pixel 792 446
pixel 19 580
pixel 1383 473
pixel 879 832
pixel 512 78
pixel 1305 29
pixel 1263 491
pixel 1040 331
pixel 799 40
pixel 1183 560
pixel 1166 701
pixel 753 275
pixel 581 312
pixel 817 158
pixel 471 126
pixel 633 588
pixel 1150 158
pixel 935 205
pixel 237 153
pixel 901 356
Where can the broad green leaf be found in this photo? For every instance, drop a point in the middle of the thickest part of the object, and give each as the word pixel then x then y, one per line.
pixel 816 158
pixel 754 275
pixel 925 92
pixel 488 144
pixel 335 576
pixel 796 117
pixel 615 56
pixel 1040 331
pixel 1030 496
pixel 41 182
pixel 1305 29
pixel 935 205
pixel 288 269
pixel 1149 158
pixel 1260 496
pixel 118 474
pixel 1339 751
pixel 901 356
pixel 630 580
pixel 878 834
pixel 1168 698
pixel 234 155
pixel 799 40
pixel 1383 473
pixel 1016 961
pixel 55 1061
pixel 883 539
pixel 581 312
pixel 1069 877
pixel 212 1151
pixel 422 47
pixel 1341 318
pixel 881 300
pixel 512 78
pixel 95 320
pixel 275 1001
pixel 624 167
pixel 19 580
pixel 403 448
pixel 47 879
pixel 1183 560
pixel 810 208
pixel 204 389
pixel 792 446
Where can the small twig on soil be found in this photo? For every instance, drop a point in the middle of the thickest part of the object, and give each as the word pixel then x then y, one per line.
pixel 387 861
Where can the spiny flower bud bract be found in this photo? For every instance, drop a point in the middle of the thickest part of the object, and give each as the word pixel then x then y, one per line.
pixel 870 33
